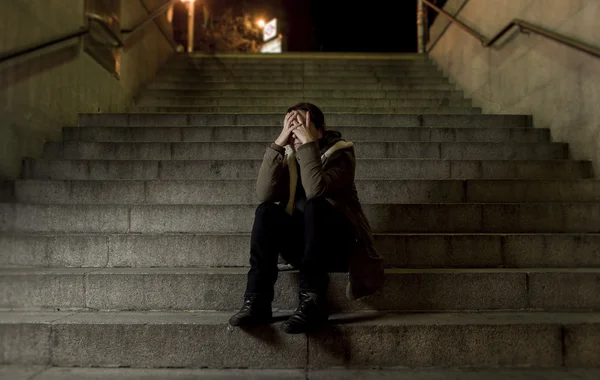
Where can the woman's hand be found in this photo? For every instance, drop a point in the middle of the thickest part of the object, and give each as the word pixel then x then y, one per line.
pixel 288 127
pixel 303 130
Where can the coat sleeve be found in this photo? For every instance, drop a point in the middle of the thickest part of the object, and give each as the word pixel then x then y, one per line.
pixel 317 181
pixel 273 177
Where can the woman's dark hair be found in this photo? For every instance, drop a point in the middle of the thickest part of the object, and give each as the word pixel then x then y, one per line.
pixel 316 115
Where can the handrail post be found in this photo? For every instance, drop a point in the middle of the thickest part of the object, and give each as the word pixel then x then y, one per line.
pixel 191 14
pixel 420 27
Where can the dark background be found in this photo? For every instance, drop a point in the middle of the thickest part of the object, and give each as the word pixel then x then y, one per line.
pixel 332 25
pixel 340 26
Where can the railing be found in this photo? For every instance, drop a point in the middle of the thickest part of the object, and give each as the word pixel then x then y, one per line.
pixel 30 49
pixel 522 25
pixel 104 24
pixel 151 17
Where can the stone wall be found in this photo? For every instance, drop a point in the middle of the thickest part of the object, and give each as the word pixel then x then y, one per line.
pixel 525 73
pixel 43 92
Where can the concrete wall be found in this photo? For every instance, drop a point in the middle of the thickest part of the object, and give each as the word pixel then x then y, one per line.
pixel 528 74
pixel 43 92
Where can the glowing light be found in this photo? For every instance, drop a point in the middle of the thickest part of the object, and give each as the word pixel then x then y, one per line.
pixel 261 23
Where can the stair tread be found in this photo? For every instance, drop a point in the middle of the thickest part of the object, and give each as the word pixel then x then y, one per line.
pixel 331 127
pixel 417 159
pixel 268 142
pixel 358 319
pixel 404 234
pixel 408 205
pixel 54 373
pixel 242 271
pixel 278 114
pixel 582 181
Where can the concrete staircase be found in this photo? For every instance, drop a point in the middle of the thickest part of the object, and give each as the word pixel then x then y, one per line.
pixel 127 243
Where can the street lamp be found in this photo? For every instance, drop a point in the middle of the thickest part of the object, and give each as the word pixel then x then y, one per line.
pixel 190 24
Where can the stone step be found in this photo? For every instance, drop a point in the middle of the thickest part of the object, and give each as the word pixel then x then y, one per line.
pixel 300 57
pixel 203 340
pixel 276 119
pixel 232 250
pixel 341 65
pixel 66 373
pixel 348 65
pixel 259 62
pixel 449 110
pixel 304 95
pixel 302 66
pixel 262 102
pixel 299 79
pixel 256 133
pixel 248 169
pixel 268 87
pixel 413 290
pixel 426 218
pixel 299 71
pixel 255 150
pixel 227 192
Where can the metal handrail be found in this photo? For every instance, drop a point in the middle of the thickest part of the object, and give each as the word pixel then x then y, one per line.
pixel 30 49
pixel 523 25
pixel 65 37
pixel 85 30
pixel 104 23
pixel 157 12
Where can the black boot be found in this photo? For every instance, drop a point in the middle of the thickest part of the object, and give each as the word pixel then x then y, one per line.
pixel 309 314
pixel 255 311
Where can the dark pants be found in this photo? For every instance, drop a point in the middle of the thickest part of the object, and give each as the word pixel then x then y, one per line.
pixel 316 242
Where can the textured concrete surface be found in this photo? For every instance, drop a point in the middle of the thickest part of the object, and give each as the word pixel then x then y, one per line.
pixel 81 150
pixel 54 250
pixel 276 80
pixel 528 73
pixel 435 101
pixel 394 218
pixel 248 169
pixel 217 192
pixel 177 340
pixel 43 373
pixel 305 94
pixel 43 92
pixel 243 191
pixel 202 339
pixel 48 288
pixel 548 291
pixel 372 110
pixel 583 345
pixel 416 86
pixel 455 374
pixel 233 72
pixel 25 337
pixel 222 289
pixel 200 134
pixel 205 69
pixel 274 119
pixel 16 372
pixel 232 250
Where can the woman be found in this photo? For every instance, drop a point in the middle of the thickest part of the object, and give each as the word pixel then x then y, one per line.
pixel 311 215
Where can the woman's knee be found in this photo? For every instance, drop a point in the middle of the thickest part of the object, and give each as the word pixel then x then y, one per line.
pixel 267 209
pixel 316 203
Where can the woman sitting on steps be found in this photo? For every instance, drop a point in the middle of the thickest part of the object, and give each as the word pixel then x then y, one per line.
pixel 311 215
